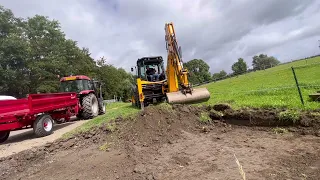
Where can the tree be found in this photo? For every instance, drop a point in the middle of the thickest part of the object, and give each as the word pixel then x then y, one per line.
pixel 117 81
pixel 239 67
pixel 264 62
pixel 198 70
pixel 35 54
pixel 217 76
pixel 13 54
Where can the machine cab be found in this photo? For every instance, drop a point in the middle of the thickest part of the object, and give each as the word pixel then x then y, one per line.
pixel 154 65
pixel 79 84
pixel 76 84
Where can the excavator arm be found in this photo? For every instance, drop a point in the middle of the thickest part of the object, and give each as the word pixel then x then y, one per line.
pixel 178 75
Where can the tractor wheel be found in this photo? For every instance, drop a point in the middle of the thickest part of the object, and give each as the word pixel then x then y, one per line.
pixel 90 106
pixel 79 115
pixel 4 135
pixel 43 125
pixel 102 108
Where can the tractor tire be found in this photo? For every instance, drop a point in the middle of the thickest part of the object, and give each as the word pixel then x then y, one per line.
pixel 102 108
pixel 90 106
pixel 136 97
pixel 43 125
pixel 4 135
pixel 79 116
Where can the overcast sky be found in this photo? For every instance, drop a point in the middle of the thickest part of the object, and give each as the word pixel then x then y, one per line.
pixel 217 31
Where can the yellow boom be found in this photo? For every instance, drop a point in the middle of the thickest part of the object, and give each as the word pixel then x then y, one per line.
pixel 178 75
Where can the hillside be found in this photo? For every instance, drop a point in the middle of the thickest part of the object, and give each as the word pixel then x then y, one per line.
pixel 274 87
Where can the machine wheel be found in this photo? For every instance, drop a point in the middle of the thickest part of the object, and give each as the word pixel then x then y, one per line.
pixel 136 97
pixel 142 104
pixel 133 101
pixel 43 125
pixel 90 106
pixel 102 108
pixel 4 135
pixel 79 116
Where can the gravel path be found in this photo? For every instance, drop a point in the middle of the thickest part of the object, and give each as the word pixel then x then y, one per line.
pixel 25 139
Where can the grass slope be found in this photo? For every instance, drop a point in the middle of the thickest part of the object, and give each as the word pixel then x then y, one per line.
pixel 249 90
pixel 274 87
pixel 113 111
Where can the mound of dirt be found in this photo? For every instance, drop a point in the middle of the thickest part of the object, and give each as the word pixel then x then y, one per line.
pixel 304 122
pixel 166 142
pixel 151 128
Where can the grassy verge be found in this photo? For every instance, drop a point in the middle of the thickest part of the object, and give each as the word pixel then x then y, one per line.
pixel 274 87
pixel 114 110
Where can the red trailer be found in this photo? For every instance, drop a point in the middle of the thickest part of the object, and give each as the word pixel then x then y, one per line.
pixel 37 111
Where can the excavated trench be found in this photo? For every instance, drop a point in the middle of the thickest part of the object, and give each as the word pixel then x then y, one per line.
pixel 181 142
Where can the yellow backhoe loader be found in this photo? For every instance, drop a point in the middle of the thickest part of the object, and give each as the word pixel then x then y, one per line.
pixel 154 84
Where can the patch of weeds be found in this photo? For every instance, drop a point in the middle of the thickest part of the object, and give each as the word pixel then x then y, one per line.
pixel 204 117
pixel 166 106
pixel 111 127
pixel 104 147
pixel 315 114
pixel 216 114
pixel 278 130
pixel 289 116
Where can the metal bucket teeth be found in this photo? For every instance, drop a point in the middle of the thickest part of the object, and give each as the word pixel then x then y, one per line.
pixel 198 95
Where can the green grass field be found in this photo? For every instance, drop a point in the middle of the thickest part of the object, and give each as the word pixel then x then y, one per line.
pixel 274 87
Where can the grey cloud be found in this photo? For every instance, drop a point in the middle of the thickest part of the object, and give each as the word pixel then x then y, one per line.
pixel 217 31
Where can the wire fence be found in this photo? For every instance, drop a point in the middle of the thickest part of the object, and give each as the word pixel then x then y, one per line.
pixel 115 99
pixel 266 68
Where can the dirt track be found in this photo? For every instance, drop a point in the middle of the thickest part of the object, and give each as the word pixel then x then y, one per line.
pixel 163 144
pixel 25 139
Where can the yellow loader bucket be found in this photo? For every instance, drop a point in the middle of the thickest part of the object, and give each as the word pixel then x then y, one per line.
pixel 198 95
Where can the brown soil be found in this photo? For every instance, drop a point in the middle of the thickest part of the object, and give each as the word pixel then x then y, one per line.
pixel 165 143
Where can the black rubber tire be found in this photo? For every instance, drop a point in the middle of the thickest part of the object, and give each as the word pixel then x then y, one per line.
pixel 102 108
pixel 138 104
pixel 135 94
pixel 38 125
pixel 4 135
pixel 88 102
pixel 60 122
pixel 79 115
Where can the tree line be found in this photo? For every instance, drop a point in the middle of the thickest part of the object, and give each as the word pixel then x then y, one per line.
pixel 35 54
pixel 199 69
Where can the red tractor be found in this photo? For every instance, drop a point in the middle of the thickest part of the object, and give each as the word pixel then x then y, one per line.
pixel 79 96
pixel 89 94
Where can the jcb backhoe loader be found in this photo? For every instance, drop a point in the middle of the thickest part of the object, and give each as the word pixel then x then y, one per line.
pixel 154 84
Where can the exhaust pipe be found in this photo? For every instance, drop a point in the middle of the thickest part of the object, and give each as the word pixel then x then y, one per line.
pixel 198 95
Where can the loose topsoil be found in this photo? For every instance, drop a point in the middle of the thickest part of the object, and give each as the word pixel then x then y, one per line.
pixel 181 142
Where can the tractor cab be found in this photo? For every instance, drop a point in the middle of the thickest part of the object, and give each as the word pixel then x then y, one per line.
pixel 89 93
pixel 79 84
pixel 154 64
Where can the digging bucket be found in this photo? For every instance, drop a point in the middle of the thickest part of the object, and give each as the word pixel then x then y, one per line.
pixel 198 95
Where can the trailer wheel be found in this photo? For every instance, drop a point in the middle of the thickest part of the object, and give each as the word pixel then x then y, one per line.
pixel 90 106
pixel 4 135
pixel 43 125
